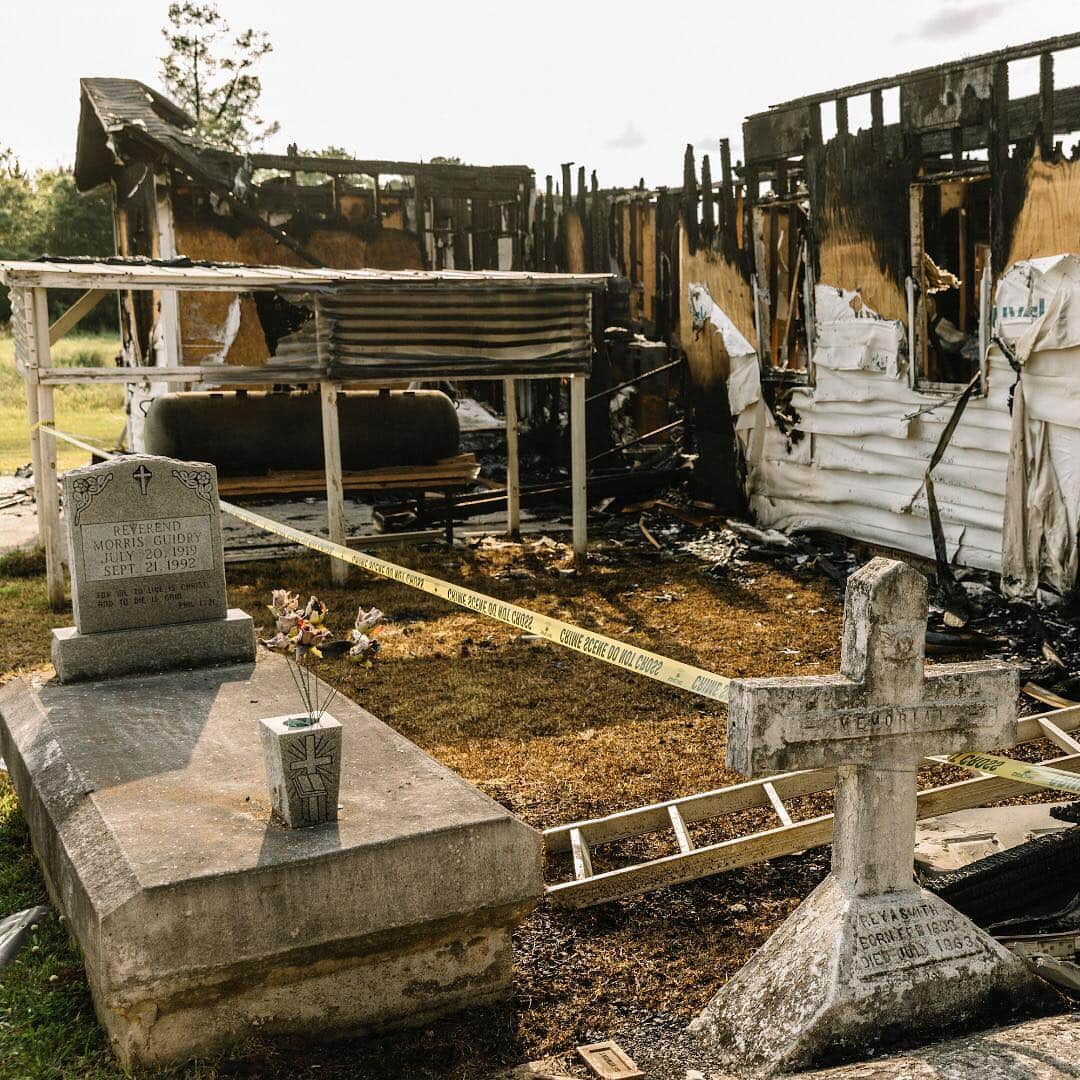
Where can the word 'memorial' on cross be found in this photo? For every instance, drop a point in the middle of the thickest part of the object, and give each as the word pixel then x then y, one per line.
pixel 147 571
pixel 869 956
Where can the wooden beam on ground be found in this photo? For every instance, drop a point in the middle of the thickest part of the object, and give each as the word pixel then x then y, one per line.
pixel 335 493
pixel 1063 740
pixel 513 477
pixel 682 833
pixel 789 838
pixel 777 804
pixel 748 795
pixel 771 844
pixel 1047 697
pixel 76 313
pixel 582 860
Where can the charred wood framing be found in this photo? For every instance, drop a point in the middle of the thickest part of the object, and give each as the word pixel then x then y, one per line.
pixel 122 122
pixel 857 182
pixel 998 152
pixel 690 198
pixel 708 215
pixel 1015 52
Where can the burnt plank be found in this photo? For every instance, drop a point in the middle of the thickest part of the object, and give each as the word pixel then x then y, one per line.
pixel 956 98
pixel 779 134
pixel 1046 105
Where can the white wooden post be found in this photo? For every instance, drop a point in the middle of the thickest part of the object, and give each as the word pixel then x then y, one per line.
pixel 167 343
pixel 335 492
pixel 22 326
pixel 513 485
pixel 45 487
pixel 578 464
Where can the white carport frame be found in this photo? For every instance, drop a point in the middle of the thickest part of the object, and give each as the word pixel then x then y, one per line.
pixel 33 337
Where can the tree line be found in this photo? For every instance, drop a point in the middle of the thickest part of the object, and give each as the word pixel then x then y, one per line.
pixel 208 71
pixel 41 213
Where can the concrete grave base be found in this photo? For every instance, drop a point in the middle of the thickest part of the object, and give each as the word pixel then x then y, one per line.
pixel 844 974
pixel 201 921
pixel 946 843
pixel 108 654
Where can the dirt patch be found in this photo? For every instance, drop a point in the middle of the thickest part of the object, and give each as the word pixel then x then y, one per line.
pixel 555 736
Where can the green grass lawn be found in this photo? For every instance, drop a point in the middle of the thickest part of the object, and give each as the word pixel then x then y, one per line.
pixel 96 412
pixel 47 1023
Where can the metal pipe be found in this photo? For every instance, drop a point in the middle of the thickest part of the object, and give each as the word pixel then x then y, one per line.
pixel 636 379
pixel 634 442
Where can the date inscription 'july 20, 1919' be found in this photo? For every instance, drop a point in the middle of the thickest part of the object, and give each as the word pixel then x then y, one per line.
pixel 129 549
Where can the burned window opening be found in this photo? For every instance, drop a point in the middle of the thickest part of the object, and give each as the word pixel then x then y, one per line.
pixel 950 247
pixel 279 317
pixel 781 229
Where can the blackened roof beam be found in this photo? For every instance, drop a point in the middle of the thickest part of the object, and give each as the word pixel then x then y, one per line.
pixel 764 144
pixel 482 175
pixel 1014 52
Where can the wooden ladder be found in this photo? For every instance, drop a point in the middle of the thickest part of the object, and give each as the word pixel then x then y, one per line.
pixel 789 837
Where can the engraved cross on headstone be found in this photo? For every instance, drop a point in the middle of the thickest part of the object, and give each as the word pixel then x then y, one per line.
pixel 142 476
pixel 311 760
pixel 874 722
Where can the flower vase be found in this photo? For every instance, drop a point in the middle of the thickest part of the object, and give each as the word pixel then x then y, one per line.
pixel 303 768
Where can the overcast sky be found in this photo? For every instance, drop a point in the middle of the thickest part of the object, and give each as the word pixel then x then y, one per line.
pixel 617 85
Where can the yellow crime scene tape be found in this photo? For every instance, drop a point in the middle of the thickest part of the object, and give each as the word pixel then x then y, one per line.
pixel 587 642
pixel 1037 775
pixel 618 653
pixel 598 646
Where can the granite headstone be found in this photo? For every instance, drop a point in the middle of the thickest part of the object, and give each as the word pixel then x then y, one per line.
pixel 146 553
pixel 146 547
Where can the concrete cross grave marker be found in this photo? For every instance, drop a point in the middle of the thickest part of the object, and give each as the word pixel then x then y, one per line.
pixel 147 571
pixel 868 955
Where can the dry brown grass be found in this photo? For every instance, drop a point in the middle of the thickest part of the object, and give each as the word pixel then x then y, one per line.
pixel 551 734
pixel 555 736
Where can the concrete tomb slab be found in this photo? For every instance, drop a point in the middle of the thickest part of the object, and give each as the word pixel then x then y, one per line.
pixel 203 922
pixel 145 552
pixel 869 957
pixel 949 842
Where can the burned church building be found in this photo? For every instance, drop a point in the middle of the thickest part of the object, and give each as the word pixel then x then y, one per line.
pixel 866 325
